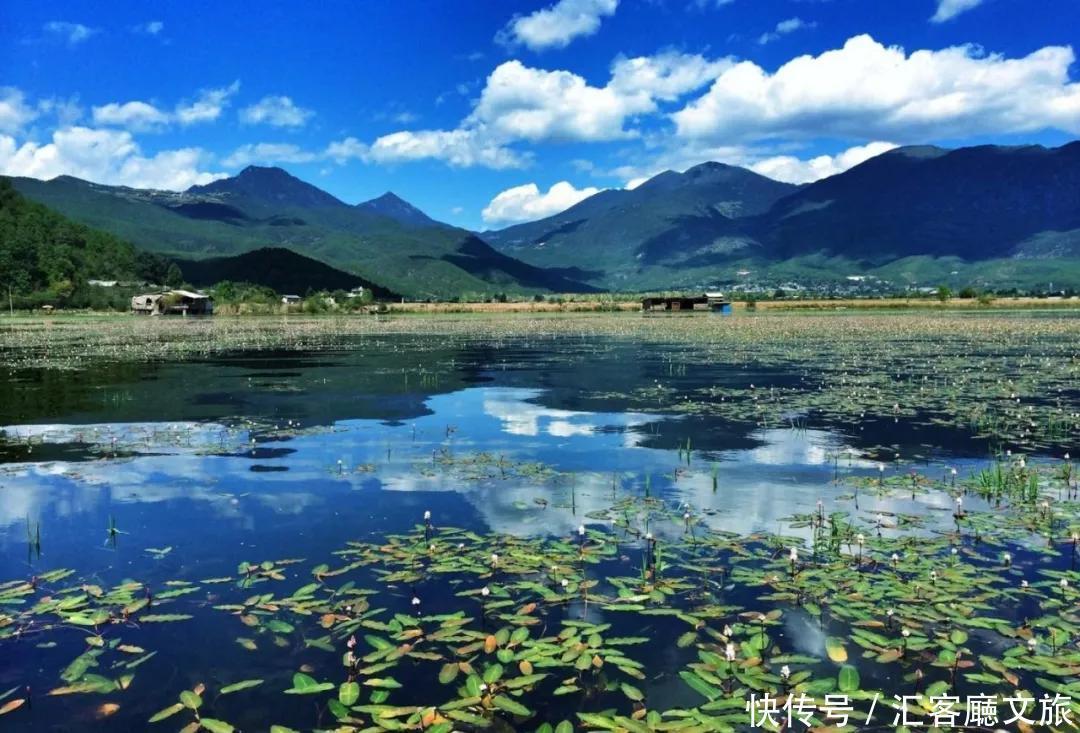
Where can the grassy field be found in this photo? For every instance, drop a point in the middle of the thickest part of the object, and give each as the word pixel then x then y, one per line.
pixel 634 304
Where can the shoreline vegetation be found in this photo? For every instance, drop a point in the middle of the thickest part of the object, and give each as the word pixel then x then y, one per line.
pixel 75 341
pixel 320 306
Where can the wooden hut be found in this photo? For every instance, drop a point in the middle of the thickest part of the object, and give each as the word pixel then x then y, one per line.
pixel 173 303
pixel 715 302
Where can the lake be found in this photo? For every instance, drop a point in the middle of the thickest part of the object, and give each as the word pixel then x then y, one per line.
pixel 516 528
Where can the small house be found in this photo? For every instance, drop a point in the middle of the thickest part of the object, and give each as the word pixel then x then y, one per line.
pixel 706 302
pixel 290 300
pixel 173 303
pixel 718 303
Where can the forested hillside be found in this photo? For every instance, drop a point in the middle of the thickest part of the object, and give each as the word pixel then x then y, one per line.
pixel 45 254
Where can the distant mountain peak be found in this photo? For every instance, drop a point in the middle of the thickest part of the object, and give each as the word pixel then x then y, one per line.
pixel 393 206
pixel 271 185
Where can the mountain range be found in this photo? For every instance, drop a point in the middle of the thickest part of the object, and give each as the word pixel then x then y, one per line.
pixel 384 241
pixel 1000 215
pixel 907 207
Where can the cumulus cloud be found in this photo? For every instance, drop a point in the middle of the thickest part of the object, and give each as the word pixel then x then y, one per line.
pixel 667 76
pixel 520 103
pixel 71 33
pixel 523 103
pixel 459 148
pixel 866 91
pixel 104 156
pixel 137 116
pixel 557 25
pixel 268 153
pixel 279 111
pixel 207 106
pixel 528 202
pixel 151 28
pixel 342 151
pixel 15 113
pixel 791 169
pixel 949 9
pixel 783 28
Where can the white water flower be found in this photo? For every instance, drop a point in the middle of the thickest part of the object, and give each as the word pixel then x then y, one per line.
pixel 1007 558
pixel 727 630
pixel 905 633
pixel 427 515
pixel 581 530
pixel 729 652
pixel 1023 584
pixel 494 559
pixel 785 672
pixel 860 538
pixel 565 582
pixel 794 555
pixel 890 613
pixel 485 592
pixel 1032 643
pixel 415 601
pixel 1064 583
pixel 895 558
pixel 933 576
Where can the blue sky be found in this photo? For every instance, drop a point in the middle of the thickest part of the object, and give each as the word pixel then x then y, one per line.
pixel 486 112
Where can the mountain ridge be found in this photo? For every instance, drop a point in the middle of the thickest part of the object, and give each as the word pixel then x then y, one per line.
pixel 269 207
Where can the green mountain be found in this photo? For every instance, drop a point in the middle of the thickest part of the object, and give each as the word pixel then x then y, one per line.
pixel 398 209
pixel 279 269
pixel 997 215
pixel 267 207
pixel 614 236
pixel 974 203
pixel 45 254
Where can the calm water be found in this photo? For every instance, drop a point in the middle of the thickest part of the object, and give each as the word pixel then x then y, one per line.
pixel 274 455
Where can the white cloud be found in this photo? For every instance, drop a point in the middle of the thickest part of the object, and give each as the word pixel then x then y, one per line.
pixel 279 111
pixel 267 154
pixel 791 169
pixel 519 103
pixel 15 113
pixel 557 25
pixel 151 28
pixel 523 103
pixel 66 111
pixel 783 28
pixel 948 9
pixel 459 148
pixel 136 115
pixel 635 182
pixel 208 106
pixel 866 91
pixel 527 202
pixel 104 156
pixel 71 33
pixel 666 76
pixel 350 148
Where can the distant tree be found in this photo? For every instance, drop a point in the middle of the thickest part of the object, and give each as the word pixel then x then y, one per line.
pixel 779 294
pixel 943 293
pixel 969 292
